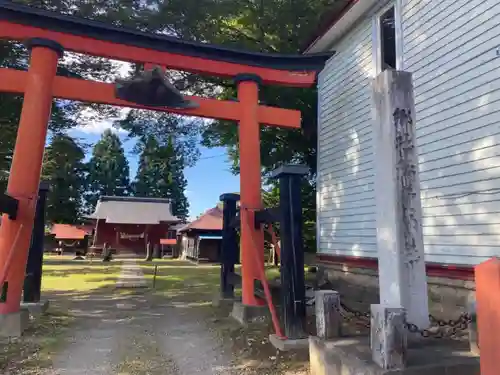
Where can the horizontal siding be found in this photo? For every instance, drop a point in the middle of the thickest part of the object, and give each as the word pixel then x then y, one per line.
pixel 450 47
pixel 345 158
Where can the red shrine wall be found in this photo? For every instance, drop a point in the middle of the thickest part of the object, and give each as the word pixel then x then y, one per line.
pixel 130 237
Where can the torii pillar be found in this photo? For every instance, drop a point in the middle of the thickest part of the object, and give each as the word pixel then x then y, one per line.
pixel 24 180
pixel 252 239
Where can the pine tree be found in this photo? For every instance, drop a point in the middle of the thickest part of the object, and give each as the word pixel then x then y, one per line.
pixel 108 169
pixel 64 169
pixel 161 175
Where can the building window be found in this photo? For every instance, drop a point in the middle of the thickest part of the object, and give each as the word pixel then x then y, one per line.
pixel 387 40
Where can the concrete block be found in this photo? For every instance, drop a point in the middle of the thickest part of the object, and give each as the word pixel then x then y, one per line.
pixel 328 319
pixel 285 345
pixel 14 324
pixel 249 314
pixel 219 301
pixel 388 336
pixel 352 356
pixel 36 308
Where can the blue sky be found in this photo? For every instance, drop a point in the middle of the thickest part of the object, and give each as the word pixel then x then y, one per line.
pixel 207 180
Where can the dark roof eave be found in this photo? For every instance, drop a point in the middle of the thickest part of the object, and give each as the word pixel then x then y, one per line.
pixel 327 21
pixel 47 20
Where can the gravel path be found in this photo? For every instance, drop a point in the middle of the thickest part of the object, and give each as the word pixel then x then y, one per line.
pixel 139 334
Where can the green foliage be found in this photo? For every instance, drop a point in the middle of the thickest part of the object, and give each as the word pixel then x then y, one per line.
pixel 165 128
pixel 108 169
pixel 160 175
pixel 64 169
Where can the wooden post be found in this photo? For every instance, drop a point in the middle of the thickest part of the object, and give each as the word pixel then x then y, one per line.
pixel 24 177
pixel 388 337
pixel 488 314
pixel 229 246
pixel 401 262
pixel 252 239
pixel 293 290
pixel 328 318
pixel 33 280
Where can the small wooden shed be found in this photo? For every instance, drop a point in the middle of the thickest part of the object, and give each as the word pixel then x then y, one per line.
pixel 201 239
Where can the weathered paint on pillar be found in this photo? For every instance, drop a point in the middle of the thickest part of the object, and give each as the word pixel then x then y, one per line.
pixel 252 239
pixel 26 166
pixel 402 275
pixel 488 314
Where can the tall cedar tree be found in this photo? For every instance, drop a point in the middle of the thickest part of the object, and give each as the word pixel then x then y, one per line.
pixel 108 169
pixel 64 170
pixel 161 175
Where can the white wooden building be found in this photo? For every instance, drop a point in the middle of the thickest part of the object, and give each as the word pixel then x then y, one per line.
pixel 452 48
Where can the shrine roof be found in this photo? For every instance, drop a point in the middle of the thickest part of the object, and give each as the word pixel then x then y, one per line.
pixel 70 232
pixel 40 18
pixel 210 220
pixel 134 210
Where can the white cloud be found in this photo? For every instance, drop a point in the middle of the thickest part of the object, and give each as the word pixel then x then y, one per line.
pixel 98 127
pixel 88 124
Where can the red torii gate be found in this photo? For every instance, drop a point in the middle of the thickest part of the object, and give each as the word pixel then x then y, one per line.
pixel 48 35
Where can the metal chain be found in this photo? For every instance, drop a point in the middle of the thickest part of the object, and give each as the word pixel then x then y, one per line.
pixel 443 328
pixel 439 328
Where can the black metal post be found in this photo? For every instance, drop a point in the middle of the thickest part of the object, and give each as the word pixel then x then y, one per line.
pixel 229 248
pixel 292 250
pixel 33 280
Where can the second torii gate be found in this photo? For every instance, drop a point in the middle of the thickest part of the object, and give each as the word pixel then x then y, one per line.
pixel 49 34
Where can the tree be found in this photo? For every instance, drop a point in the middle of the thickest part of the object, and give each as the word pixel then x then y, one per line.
pixel 64 113
pixel 161 174
pixel 108 169
pixel 64 169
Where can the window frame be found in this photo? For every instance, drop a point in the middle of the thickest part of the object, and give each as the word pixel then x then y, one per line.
pixel 376 36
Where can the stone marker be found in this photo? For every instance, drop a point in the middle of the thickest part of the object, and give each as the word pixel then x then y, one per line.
pixel 328 319
pixel 402 275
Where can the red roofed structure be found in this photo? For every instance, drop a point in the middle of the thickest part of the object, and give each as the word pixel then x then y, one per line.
pixel 70 232
pixel 201 239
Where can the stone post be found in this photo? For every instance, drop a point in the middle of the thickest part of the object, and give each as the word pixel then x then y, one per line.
pixel 388 337
pixel 402 276
pixel 328 319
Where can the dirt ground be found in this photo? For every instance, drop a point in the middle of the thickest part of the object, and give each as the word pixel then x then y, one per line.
pixel 169 329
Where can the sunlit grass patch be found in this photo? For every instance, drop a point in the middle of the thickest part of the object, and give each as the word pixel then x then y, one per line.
pixel 79 277
pixel 184 280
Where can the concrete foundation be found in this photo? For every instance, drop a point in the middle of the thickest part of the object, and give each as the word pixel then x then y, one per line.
pixel 36 308
pixel 288 344
pixel 353 356
pixel 248 314
pixel 14 324
pixel 218 301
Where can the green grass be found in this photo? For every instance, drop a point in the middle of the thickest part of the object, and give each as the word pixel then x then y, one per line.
pixel 77 277
pixel 183 280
